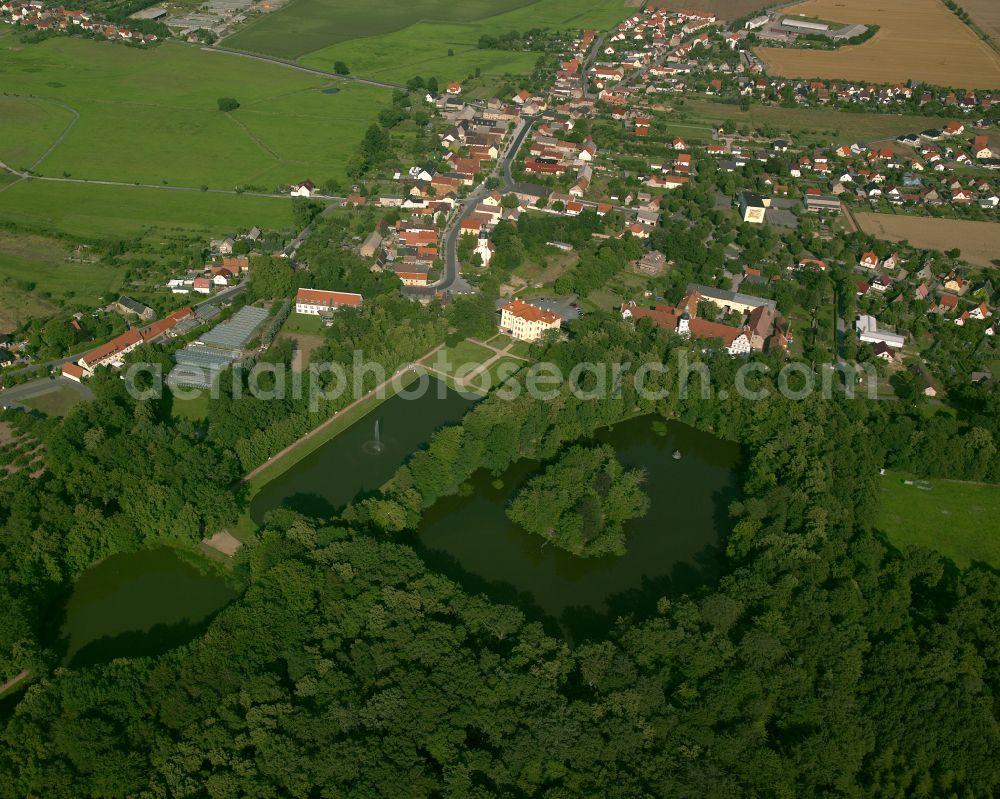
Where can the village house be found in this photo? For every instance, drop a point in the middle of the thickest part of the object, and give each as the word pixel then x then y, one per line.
pixel 752 208
pixel 126 305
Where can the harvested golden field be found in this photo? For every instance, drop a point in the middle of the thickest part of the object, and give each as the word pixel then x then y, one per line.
pixel 985 14
pixel 918 39
pixel 978 241
pixel 723 9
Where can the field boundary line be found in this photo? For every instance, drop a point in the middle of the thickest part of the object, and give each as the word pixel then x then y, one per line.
pixel 250 135
pixel 61 136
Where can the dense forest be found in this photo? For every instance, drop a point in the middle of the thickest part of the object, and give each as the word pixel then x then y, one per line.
pixel 822 662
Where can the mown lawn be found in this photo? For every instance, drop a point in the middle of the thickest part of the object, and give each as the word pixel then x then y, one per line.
pixel 955 518
pixel 194 409
pixel 303 324
pixel 460 360
pixel 54 403
pixel 152 116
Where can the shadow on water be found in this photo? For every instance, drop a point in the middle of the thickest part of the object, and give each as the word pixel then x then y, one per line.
pixel 497 590
pixel 137 604
pixel 160 638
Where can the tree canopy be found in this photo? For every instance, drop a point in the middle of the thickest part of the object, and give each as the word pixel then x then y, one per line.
pixel 582 502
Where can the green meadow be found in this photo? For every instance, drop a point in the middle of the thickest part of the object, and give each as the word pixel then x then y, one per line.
pixel 102 212
pixel 306 25
pixel 151 116
pixel 28 125
pixel 36 276
pixel 955 518
pixel 422 48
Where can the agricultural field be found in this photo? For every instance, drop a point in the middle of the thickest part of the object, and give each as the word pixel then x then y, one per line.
pixel 103 212
pixel 152 116
pixel 37 278
pixel 422 48
pixel 809 125
pixel 918 39
pixel 307 25
pixel 955 518
pixel 985 14
pixel 723 9
pixel 978 241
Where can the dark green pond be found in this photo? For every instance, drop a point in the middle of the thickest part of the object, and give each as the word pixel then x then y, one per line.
pixel 141 603
pixel 674 548
pixel 351 464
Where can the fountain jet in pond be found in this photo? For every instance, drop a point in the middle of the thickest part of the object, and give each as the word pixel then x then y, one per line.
pixel 375 446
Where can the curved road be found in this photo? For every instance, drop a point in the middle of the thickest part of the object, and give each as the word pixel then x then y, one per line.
pixel 452 280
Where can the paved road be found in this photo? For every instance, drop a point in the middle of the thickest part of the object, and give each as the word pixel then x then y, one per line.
pixel 285 62
pixel 452 280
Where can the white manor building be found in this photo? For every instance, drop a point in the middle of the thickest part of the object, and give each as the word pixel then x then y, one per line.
pixel 316 302
pixel 527 322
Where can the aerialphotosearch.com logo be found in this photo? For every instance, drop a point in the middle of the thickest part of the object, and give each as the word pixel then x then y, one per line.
pixel 321 384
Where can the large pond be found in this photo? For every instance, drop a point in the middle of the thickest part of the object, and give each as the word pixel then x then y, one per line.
pixel 354 462
pixel 140 603
pixel 673 549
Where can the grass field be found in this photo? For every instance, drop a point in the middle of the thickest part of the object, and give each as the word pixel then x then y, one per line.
pixel 978 241
pixel 303 324
pixel 28 125
pixel 422 48
pixel 500 370
pixel 194 409
pixel 305 25
pixel 723 9
pixel 820 124
pixel 102 212
pixel 461 360
pixel 58 402
pixel 918 40
pixel 957 519
pixel 35 275
pixel 151 116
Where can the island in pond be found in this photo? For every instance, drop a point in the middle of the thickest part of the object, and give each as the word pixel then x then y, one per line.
pixel 582 502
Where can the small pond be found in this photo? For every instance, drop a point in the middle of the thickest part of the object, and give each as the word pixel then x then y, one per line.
pixel 141 603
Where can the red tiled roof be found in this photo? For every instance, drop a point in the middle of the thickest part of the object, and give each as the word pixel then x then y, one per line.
pixel 529 312
pixel 118 344
pixel 702 328
pixel 327 299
